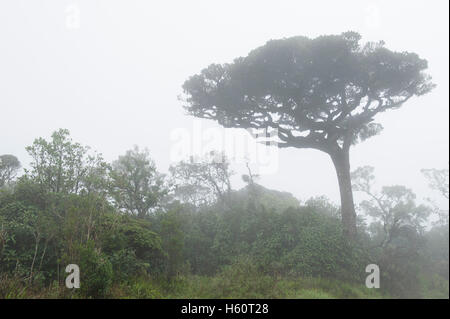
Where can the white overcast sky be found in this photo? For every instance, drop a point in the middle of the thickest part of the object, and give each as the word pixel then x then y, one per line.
pixel 112 76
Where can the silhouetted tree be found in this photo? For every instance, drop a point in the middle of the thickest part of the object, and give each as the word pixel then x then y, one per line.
pixel 9 165
pixel 438 179
pixel 202 181
pixel 320 93
pixel 394 210
pixel 397 230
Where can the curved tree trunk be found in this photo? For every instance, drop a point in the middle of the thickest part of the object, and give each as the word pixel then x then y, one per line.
pixel 341 161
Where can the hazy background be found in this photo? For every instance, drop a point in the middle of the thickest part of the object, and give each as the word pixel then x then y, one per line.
pixel 112 77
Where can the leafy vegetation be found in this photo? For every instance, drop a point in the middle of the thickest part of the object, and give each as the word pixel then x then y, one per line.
pixel 135 234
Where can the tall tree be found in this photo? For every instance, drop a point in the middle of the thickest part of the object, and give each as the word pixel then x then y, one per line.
pixel 9 165
pixel 320 93
pixel 137 187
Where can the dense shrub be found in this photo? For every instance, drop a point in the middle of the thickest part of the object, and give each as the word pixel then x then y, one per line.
pixel 96 274
pixel 297 241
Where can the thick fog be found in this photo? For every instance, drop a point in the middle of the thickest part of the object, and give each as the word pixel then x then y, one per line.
pixel 111 72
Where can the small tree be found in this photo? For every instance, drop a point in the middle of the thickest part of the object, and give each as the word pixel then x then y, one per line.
pixel 393 209
pixel 397 230
pixel 320 93
pixel 136 185
pixel 438 179
pixel 202 181
pixel 9 165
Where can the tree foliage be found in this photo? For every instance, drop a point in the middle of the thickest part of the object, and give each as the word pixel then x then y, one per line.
pixel 63 166
pixel 9 165
pixel 202 181
pixel 438 179
pixel 136 185
pixel 319 93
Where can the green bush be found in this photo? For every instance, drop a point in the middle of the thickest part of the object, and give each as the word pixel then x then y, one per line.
pixel 96 272
pixel 296 242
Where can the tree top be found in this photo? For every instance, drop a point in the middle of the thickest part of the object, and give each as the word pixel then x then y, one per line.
pixel 318 93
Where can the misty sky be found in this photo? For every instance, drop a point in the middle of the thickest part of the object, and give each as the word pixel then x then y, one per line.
pixel 111 72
